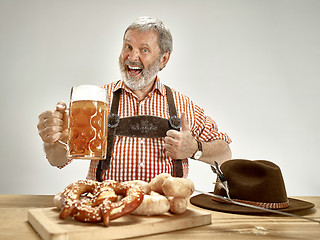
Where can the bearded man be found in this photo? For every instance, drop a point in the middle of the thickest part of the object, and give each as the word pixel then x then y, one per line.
pixel 183 130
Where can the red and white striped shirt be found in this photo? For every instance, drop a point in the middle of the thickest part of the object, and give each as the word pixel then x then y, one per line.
pixel 143 158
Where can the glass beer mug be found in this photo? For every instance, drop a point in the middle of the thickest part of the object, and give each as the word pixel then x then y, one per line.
pixel 88 123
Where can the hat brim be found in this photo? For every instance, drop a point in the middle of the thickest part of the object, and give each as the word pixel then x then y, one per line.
pixel 206 201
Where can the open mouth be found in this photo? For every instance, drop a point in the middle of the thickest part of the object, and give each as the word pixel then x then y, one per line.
pixel 134 70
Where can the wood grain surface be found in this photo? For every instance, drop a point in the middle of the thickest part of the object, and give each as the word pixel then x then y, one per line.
pixel 14 223
pixel 48 225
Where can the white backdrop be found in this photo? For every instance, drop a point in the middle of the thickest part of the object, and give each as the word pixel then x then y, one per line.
pixel 254 66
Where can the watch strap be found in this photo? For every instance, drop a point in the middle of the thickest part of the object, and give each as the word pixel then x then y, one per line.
pixel 199 145
pixel 199 148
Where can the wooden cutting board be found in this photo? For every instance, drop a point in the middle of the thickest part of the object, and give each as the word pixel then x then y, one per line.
pixel 47 224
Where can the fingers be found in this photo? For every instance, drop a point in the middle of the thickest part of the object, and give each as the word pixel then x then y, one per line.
pixel 172 145
pixel 52 124
pixel 48 122
pixel 179 144
pixel 51 135
pixel 64 135
pixel 173 141
pixel 50 114
pixel 49 131
pixel 170 151
pixel 173 134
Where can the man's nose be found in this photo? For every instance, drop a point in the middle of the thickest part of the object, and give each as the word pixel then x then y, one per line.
pixel 134 56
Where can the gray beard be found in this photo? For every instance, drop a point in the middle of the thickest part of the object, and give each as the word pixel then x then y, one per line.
pixel 147 76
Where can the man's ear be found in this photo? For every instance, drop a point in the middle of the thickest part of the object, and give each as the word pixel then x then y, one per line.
pixel 164 59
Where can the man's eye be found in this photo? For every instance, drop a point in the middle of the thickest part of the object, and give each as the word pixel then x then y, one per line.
pixel 145 50
pixel 128 47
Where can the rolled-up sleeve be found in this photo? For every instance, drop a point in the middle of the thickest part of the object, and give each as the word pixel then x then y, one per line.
pixel 205 128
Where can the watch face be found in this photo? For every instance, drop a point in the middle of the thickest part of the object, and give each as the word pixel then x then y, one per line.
pixel 197 155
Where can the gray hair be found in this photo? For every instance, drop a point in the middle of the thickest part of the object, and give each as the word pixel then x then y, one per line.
pixel 147 24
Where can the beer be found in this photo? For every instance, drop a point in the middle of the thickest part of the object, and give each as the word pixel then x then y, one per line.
pixel 88 125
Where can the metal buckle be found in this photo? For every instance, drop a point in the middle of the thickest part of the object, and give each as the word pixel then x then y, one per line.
pixel 113 120
pixel 175 122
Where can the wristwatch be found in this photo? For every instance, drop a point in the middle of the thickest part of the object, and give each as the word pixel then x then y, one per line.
pixel 197 155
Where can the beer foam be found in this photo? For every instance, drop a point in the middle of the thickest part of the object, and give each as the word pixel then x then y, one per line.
pixel 88 92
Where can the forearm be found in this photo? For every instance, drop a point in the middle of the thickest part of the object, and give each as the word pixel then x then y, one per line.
pixel 216 150
pixel 56 154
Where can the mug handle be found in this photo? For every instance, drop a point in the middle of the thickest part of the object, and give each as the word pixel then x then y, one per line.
pixel 65 145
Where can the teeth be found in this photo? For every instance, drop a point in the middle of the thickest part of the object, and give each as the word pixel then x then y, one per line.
pixel 134 68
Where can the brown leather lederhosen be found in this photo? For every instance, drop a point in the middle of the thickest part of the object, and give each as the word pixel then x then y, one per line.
pixel 143 126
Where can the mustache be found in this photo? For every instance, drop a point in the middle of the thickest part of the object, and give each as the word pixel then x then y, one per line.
pixel 127 62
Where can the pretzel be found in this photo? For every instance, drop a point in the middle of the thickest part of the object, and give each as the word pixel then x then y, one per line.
pixel 100 202
pixel 133 197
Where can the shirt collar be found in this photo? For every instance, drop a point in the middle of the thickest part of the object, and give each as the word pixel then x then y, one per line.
pixel 157 86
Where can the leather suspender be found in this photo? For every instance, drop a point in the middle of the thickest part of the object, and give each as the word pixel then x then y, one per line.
pixel 175 122
pixel 139 126
pixel 113 121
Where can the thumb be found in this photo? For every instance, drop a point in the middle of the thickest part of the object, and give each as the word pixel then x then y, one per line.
pixel 184 123
pixel 61 106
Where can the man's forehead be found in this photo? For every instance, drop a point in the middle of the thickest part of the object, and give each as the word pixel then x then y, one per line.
pixel 131 35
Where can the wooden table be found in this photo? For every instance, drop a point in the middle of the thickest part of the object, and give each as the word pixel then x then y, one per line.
pixel 14 224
